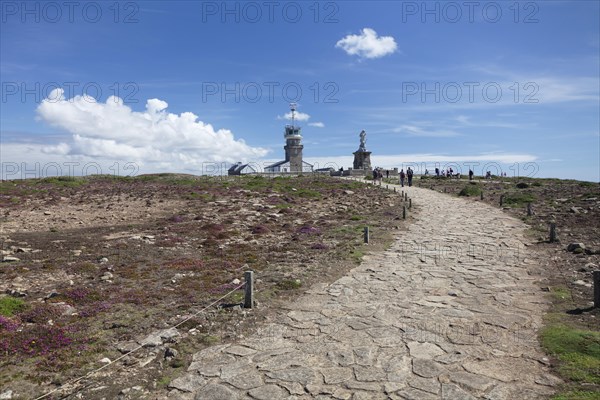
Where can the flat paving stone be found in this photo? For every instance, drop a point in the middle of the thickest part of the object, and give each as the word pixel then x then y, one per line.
pixel 449 311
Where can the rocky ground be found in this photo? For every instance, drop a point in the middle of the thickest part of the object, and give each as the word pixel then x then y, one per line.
pixel 108 265
pixel 95 268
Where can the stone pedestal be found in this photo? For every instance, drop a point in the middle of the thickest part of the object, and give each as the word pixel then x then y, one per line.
pixel 362 160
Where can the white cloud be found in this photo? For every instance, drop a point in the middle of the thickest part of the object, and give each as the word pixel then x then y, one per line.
pixel 417 131
pixel 113 130
pixel 317 124
pixel 298 116
pixel 367 44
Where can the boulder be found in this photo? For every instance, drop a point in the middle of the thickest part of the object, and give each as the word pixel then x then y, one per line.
pixel 574 246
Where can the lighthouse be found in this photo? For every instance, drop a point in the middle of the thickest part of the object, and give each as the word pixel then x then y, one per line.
pixel 293 162
pixel 293 143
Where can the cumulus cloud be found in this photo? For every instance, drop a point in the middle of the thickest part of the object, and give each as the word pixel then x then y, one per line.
pixel 317 124
pixel 299 116
pixel 367 44
pixel 113 130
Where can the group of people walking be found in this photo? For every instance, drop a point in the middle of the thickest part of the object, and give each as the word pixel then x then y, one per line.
pixel 408 176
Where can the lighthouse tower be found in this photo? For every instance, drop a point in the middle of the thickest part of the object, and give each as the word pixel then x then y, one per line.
pixel 293 143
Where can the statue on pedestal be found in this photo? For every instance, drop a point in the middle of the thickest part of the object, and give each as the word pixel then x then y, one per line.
pixel 362 157
pixel 363 141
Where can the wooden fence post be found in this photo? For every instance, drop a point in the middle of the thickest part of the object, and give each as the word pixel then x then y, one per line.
pixel 597 289
pixel 529 209
pixel 410 203
pixel 249 295
pixel 552 232
pixel 366 234
pixel 501 200
pixel 403 212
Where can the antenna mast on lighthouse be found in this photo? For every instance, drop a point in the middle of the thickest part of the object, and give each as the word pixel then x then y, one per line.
pixel 293 107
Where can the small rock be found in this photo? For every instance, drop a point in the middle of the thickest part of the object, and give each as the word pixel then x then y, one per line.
pixel 67 309
pixel 127 347
pixel 574 246
pixel 582 283
pixel 235 281
pixel 52 295
pixel 348 192
pixel 7 395
pixel 105 360
pixel 107 276
pixel 17 292
pixel 171 353
pixel 152 340
pixel 47 213
pixel 575 210
pixel 169 334
pixel 23 250
pixel 10 259
pixel 103 260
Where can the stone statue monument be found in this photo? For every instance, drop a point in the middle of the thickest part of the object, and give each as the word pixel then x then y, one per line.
pixel 363 141
pixel 362 157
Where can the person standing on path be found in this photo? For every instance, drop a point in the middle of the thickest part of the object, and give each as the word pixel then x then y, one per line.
pixel 409 175
pixel 402 176
pixel 470 174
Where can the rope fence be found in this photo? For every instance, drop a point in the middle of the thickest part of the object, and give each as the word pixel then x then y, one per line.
pixel 248 284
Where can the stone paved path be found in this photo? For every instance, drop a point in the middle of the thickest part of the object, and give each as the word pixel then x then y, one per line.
pixel 450 311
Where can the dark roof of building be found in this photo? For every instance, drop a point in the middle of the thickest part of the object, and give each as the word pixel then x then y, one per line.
pixel 238 167
pixel 277 164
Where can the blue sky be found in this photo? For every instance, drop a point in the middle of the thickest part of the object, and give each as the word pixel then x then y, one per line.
pixel 495 85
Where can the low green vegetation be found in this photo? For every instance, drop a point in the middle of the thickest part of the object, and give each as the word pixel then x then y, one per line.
pixel 357 255
pixel 517 199
pixel 470 190
pixel 10 306
pixel 68 181
pixel 578 351
pixel 577 395
pixel 290 284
